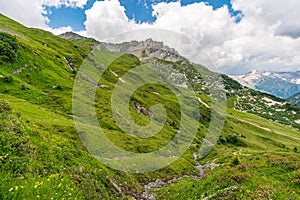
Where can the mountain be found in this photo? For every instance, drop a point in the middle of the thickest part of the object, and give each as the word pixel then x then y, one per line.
pixel 146 49
pixel 43 156
pixel 72 36
pixel 280 84
pixel 295 99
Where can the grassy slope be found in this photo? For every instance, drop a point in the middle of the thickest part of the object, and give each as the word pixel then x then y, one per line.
pixel 268 166
pixel 54 151
pixel 46 157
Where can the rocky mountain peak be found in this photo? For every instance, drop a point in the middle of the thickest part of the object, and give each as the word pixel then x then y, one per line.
pixel 71 36
pixel 146 50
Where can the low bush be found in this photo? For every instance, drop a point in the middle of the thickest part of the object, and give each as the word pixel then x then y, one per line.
pixel 8 47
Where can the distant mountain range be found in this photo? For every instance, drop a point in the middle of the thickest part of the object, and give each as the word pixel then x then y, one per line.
pixel 295 99
pixel 281 84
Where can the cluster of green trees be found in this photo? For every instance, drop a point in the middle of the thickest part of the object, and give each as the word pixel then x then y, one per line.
pixel 8 47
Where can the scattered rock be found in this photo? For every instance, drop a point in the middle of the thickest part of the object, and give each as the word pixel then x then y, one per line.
pixel 70 64
pixel 142 110
pixel 18 71
pixel 159 184
pixel 118 189
pixel 91 80
pixel 210 165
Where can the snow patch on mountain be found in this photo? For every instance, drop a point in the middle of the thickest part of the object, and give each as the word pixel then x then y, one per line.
pixel 271 102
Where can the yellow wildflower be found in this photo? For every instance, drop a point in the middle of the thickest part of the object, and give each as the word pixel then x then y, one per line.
pixel 38 184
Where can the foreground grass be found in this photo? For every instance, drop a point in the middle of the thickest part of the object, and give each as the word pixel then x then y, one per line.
pixel 258 176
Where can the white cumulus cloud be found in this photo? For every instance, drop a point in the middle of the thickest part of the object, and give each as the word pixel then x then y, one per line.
pixel 60 30
pixel 32 12
pixel 27 12
pixel 266 38
pixel 107 18
pixel 67 3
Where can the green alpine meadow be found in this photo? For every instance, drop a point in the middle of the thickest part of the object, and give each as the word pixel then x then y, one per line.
pixel 44 155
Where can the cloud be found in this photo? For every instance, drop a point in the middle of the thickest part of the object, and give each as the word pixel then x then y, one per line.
pixel 67 3
pixel 107 18
pixel 60 30
pixel 281 14
pixel 32 12
pixel 266 38
pixel 27 12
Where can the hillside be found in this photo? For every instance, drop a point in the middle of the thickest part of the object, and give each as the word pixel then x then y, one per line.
pixel 42 154
pixel 295 99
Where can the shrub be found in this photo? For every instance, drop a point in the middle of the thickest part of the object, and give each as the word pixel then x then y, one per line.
pixel 8 47
pixel 8 79
pixel 295 149
pixel 59 87
pixel 144 54
pixel 222 140
pixel 5 106
pixel 236 161
pixel 24 87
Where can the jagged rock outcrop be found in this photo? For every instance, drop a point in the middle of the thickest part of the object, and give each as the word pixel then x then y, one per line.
pixel 71 36
pixel 146 50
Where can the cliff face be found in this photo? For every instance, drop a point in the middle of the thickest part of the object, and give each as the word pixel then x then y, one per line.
pixel 146 50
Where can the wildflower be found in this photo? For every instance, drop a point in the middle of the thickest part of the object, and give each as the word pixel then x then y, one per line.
pixel 16 187
pixel 53 175
pixel 81 168
pixel 11 189
pixel 242 166
pixel 59 185
pixel 38 184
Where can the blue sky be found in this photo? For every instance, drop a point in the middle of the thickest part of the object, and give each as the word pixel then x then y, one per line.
pixel 140 10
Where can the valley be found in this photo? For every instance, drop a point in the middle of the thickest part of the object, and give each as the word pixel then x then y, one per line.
pixel 47 153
